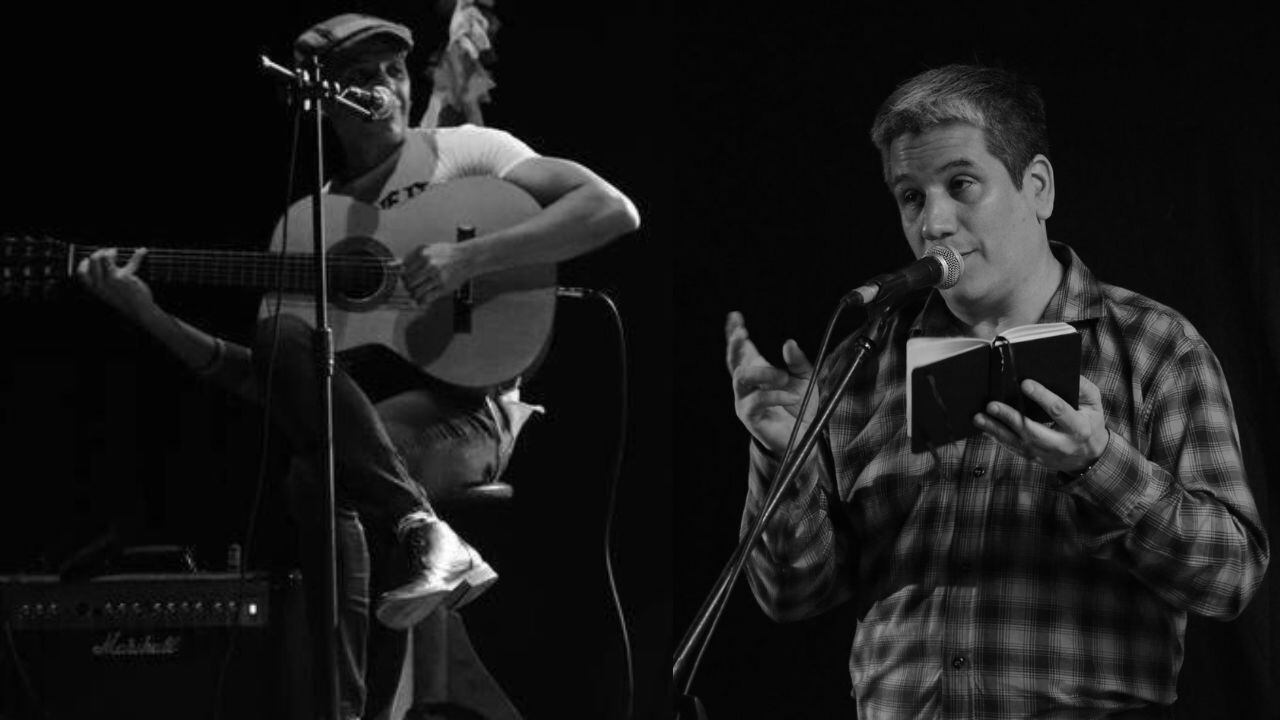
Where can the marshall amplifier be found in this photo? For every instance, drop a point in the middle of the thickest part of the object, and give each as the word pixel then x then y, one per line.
pixel 193 645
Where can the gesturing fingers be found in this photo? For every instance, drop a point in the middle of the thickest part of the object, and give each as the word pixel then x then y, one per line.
pixel 797 363
pixel 738 347
pixel 762 400
pixel 751 377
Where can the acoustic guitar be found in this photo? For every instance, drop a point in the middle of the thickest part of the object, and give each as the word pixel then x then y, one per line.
pixel 489 332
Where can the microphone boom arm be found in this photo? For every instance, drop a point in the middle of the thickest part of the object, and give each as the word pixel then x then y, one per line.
pixel 308 89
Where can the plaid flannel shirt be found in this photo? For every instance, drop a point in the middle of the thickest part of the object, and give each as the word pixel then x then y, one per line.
pixel 988 586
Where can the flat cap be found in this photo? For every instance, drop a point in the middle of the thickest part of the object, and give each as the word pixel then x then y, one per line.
pixel 339 33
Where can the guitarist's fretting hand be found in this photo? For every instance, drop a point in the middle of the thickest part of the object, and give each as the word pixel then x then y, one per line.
pixel 435 270
pixel 117 285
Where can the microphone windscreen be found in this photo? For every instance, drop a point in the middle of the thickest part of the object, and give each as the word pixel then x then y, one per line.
pixel 385 102
pixel 952 265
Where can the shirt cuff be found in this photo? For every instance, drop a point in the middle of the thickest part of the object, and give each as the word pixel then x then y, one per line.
pixel 764 466
pixel 1121 481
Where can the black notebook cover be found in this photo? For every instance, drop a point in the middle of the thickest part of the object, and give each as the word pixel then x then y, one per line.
pixel 946 394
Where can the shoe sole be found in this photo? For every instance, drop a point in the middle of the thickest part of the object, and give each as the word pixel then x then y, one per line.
pixel 402 613
pixel 474 583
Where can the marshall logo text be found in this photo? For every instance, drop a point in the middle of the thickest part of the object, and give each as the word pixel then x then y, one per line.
pixel 113 645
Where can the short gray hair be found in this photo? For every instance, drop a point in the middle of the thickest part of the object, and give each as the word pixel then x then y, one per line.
pixel 1010 112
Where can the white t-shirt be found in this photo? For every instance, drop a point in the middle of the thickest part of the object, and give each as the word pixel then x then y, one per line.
pixel 437 155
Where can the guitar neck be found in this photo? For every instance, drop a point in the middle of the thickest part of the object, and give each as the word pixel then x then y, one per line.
pixel 247 269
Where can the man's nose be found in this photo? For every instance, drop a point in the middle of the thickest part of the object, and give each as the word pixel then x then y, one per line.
pixel 938 220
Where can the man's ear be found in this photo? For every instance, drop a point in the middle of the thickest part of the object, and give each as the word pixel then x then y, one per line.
pixel 1037 183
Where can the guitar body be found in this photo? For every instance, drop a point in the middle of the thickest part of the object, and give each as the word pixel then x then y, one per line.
pixel 484 340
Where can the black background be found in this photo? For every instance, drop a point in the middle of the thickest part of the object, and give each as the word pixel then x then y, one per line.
pixel 1162 131
pixel 134 126
pixel 741 135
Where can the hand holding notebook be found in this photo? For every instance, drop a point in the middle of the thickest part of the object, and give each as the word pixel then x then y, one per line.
pixel 949 380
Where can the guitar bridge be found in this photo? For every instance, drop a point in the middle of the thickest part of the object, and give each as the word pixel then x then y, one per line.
pixel 462 298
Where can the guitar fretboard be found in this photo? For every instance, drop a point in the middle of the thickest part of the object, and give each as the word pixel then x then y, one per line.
pixel 292 272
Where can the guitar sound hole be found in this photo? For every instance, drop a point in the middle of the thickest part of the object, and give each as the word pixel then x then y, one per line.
pixel 357 275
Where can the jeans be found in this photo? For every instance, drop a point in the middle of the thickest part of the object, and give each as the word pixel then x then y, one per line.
pixel 389 458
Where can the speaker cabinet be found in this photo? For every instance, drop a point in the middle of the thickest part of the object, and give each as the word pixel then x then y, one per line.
pixel 198 645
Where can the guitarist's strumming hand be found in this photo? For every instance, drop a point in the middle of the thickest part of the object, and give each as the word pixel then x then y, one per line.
pixel 118 285
pixel 435 270
pixel 766 398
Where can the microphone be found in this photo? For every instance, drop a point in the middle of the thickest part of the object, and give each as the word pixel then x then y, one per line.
pixel 940 267
pixel 379 101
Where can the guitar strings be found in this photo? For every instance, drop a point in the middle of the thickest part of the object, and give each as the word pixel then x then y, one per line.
pixel 229 266
pixel 229 256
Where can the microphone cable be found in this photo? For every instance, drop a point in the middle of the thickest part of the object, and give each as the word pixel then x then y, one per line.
pixel 260 481
pixel 580 293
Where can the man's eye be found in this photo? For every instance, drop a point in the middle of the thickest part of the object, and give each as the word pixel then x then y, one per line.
pixel 910 197
pixel 961 184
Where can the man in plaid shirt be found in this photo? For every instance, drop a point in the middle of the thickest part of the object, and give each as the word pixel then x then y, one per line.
pixel 1030 570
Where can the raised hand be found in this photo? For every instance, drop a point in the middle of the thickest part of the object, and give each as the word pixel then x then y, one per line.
pixel 766 398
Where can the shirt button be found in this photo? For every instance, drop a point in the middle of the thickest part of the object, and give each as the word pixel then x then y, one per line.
pixel 979 471
pixel 958 662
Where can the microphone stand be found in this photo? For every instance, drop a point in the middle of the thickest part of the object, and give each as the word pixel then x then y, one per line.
pixel 689 653
pixel 308 87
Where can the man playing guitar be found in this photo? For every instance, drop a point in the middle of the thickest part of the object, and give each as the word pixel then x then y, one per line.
pixel 414 436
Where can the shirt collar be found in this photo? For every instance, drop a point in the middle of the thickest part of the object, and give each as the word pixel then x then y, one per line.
pixel 1078 299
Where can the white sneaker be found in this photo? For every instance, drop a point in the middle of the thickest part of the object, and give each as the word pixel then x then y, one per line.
pixel 444 569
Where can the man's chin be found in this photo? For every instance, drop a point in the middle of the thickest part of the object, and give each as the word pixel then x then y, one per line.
pixel 966 292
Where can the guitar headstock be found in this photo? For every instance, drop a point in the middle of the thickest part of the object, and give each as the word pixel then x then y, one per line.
pixel 31 267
